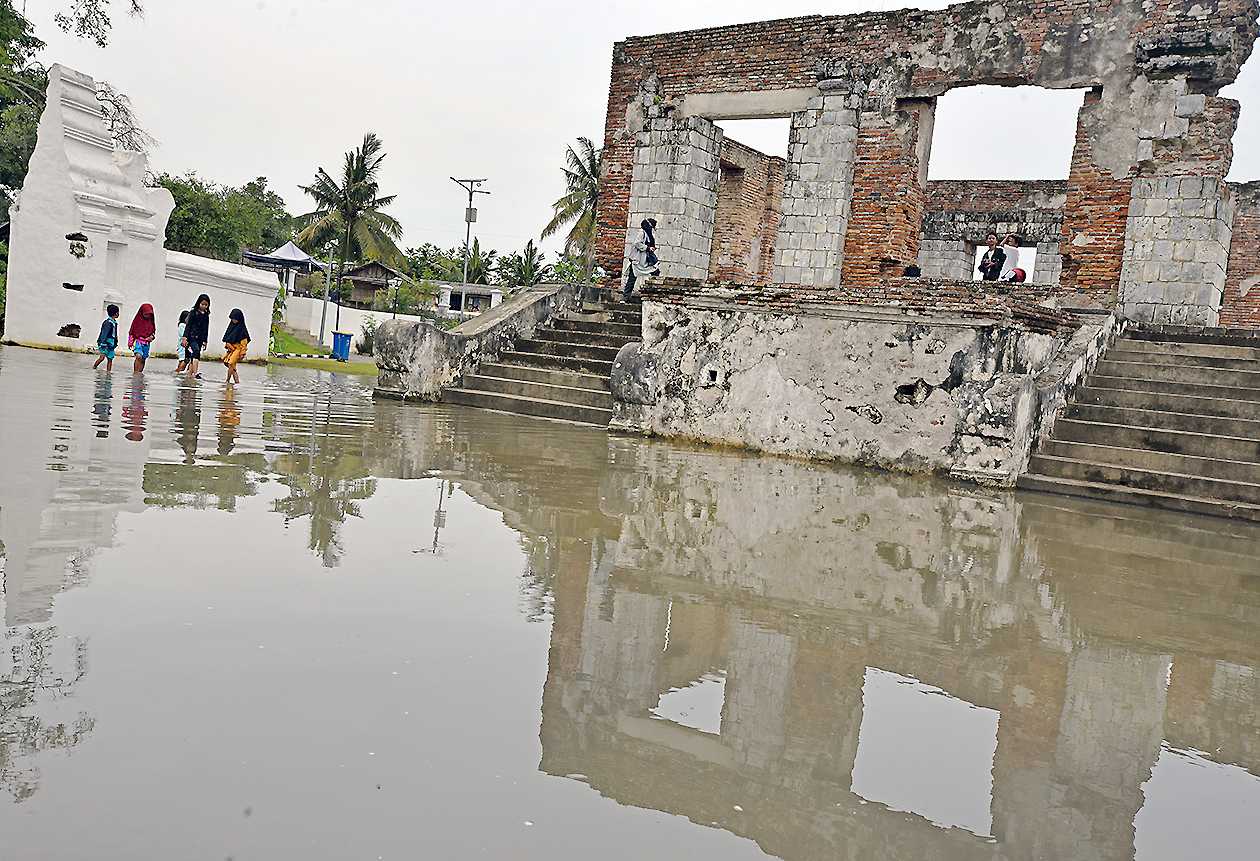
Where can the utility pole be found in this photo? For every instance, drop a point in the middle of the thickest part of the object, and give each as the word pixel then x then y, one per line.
pixel 470 216
pixel 323 314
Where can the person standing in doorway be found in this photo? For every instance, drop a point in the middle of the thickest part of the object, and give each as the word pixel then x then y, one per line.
pixel 643 260
pixel 235 343
pixel 107 340
pixel 140 336
pixel 991 262
pixel 197 333
pixel 1010 247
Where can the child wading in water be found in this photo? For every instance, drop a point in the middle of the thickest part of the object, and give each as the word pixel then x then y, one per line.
pixel 180 352
pixel 235 343
pixel 197 333
pixel 107 340
pixel 143 331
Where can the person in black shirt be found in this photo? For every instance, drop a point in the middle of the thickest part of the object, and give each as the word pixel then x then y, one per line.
pixel 197 332
pixel 991 263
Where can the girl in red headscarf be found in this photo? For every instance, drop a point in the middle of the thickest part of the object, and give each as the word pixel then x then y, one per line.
pixel 143 330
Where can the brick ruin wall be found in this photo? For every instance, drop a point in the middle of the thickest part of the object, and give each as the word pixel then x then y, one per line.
pixel 750 195
pixel 860 91
pixel 1241 305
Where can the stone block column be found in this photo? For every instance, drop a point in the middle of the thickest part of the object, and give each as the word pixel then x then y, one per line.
pixel 1176 250
pixel 889 191
pixel 816 191
pixel 675 180
pixel 946 258
pixel 1049 264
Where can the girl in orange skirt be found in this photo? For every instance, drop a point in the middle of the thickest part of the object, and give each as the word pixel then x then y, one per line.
pixel 235 343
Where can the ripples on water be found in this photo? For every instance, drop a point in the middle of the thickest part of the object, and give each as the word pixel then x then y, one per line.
pixel 284 621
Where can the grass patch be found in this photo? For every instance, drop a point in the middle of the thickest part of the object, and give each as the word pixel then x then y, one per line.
pixel 287 342
pixel 362 369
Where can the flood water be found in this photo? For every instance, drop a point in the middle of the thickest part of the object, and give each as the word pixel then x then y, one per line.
pixel 287 622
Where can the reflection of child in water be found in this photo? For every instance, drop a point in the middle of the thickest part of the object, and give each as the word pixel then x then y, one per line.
pixel 229 420
pixel 134 413
pixel 188 422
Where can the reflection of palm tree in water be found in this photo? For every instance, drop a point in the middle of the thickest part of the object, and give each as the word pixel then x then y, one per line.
pixel 187 425
pixel 28 684
pixel 103 405
pixel 326 484
pixel 229 421
pixel 134 413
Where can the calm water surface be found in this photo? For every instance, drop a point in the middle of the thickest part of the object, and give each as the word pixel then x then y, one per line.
pixel 286 622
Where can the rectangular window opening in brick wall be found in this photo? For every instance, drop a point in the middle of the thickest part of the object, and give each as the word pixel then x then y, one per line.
pixel 1017 133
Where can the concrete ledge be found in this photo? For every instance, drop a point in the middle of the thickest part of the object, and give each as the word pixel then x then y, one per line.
pixel 416 360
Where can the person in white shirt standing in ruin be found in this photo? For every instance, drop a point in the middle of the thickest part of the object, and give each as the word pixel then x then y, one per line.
pixel 1010 246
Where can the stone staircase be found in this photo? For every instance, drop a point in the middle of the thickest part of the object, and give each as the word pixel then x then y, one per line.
pixel 562 372
pixel 1169 419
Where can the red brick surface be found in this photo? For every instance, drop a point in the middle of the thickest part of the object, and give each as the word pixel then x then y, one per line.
pixel 1244 261
pixel 1094 218
pixel 886 215
pixel 747 219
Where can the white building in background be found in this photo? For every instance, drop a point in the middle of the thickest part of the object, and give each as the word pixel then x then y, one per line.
pixel 85 232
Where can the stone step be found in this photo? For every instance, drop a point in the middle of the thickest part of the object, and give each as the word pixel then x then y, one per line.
pixel 1120 353
pixel 632 318
pixel 1171 441
pixel 1190 422
pixel 1137 496
pixel 539 391
pixel 566 348
pixel 544 376
pixel 573 324
pixel 635 306
pixel 1183 348
pixel 1105 528
pixel 1159 461
pixel 1186 335
pixel 1162 387
pixel 1204 406
pixel 557 363
pixel 1180 374
pixel 528 406
pixel 1145 479
pixel 598 339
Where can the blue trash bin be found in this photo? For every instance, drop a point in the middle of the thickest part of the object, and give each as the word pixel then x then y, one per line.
pixel 341 346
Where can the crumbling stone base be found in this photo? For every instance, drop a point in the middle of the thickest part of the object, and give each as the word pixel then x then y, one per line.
pixel 875 386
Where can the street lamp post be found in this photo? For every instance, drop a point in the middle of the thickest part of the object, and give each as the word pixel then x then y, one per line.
pixel 470 215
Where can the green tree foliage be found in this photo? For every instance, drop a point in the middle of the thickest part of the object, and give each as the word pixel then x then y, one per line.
pixel 573 270
pixel 350 212
pixel 428 262
pixel 220 221
pixel 576 207
pixel 409 297
pixel 523 268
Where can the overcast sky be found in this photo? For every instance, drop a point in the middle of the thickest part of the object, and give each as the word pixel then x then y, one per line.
pixel 235 89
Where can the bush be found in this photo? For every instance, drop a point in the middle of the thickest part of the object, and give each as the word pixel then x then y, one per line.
pixel 367 341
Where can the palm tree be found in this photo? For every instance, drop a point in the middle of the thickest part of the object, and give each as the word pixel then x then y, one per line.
pixel 577 205
pixel 523 268
pixel 349 213
pixel 481 264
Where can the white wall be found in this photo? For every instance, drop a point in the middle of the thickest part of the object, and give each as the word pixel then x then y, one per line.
pixel 78 183
pixel 302 313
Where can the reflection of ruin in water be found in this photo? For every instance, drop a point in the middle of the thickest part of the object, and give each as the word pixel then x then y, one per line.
pixel 857 662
